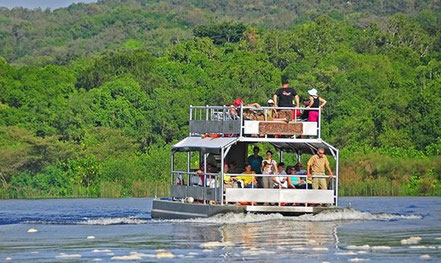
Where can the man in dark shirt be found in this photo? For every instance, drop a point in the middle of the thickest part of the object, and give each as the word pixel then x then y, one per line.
pixel 284 98
pixel 255 161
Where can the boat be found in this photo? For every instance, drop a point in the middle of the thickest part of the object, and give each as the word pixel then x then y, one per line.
pixel 215 138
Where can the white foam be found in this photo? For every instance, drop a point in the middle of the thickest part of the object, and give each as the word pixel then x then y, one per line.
pixel 437 238
pixel 216 244
pixel 361 252
pixel 348 253
pixel 207 250
pixel 411 240
pixel 90 237
pixel 193 253
pixel 351 214
pixel 8 258
pixel 353 247
pixel 341 214
pixel 67 256
pixel 358 259
pixel 425 256
pixel 381 248
pixel 422 247
pixel 114 221
pixel 129 257
pixel 299 248
pixel 35 252
pixel 32 230
pixel 110 254
pixel 97 259
pixel 257 252
pixel 165 254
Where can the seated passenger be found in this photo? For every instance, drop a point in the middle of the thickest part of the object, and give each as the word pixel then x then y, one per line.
pixel 280 182
pixel 300 171
pixel 196 179
pixel 293 181
pixel 249 114
pixel 270 114
pixel 232 113
pixel 229 181
pixel 247 181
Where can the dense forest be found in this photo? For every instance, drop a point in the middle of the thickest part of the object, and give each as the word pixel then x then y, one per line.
pixel 92 96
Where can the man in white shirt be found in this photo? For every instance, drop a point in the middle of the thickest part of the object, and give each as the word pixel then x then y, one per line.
pixel 280 181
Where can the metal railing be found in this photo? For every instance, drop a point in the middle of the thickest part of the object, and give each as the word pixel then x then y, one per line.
pixel 191 182
pixel 231 121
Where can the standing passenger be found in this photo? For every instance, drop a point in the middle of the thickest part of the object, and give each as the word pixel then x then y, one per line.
pixel 269 166
pixel 255 161
pixel 314 102
pixel 283 97
pixel 316 166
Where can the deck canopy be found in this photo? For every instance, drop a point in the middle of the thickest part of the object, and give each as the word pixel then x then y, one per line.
pixel 205 145
pixel 305 147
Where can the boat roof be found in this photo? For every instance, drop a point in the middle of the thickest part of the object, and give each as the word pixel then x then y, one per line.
pixel 208 145
pixel 214 145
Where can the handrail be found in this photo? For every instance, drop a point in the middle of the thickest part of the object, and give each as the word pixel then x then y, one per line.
pixel 219 119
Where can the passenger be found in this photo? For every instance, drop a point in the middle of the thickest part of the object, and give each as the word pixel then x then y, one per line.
pixel 196 179
pixel 270 114
pixel 283 97
pixel 232 113
pixel 314 102
pixel 249 114
pixel 229 181
pixel 316 166
pixel 248 180
pixel 293 181
pixel 255 161
pixel 211 179
pixel 233 168
pixel 280 182
pixel 305 113
pixel 269 166
pixel 300 171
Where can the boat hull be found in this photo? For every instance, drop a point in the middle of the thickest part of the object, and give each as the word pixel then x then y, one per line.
pixel 167 209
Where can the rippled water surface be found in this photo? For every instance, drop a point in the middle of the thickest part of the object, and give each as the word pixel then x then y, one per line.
pixel 380 229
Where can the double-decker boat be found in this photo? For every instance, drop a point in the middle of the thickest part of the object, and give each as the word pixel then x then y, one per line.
pixel 217 137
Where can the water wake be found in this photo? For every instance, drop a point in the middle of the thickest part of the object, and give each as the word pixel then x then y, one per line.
pixel 346 214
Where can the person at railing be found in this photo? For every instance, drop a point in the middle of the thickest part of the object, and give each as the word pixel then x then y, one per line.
pixel 314 102
pixel 248 114
pixel 229 181
pixel 269 167
pixel 196 180
pixel 280 181
pixel 316 166
pixel 232 113
pixel 305 113
pixel 296 181
pixel 270 114
pixel 283 97
pixel 255 160
pixel 293 181
pixel 247 179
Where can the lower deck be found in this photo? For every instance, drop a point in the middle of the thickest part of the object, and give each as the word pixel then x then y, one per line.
pixel 168 209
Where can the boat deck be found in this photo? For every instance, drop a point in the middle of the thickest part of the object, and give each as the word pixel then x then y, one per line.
pixel 167 209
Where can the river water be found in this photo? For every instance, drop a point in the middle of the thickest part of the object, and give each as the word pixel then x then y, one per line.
pixel 376 229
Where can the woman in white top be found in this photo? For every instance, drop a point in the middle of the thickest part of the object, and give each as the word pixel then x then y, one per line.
pixel 269 166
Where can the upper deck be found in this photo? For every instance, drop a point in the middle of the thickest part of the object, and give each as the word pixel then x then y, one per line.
pixel 252 124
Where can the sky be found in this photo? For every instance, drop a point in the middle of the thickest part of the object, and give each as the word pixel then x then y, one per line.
pixel 43 4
